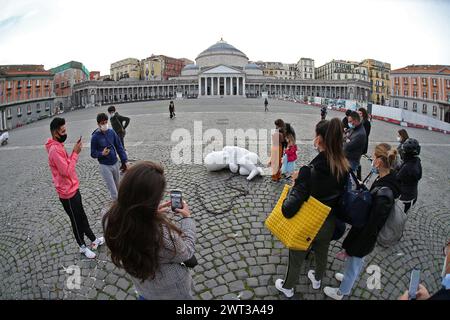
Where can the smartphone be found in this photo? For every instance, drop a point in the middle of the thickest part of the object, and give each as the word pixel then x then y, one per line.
pixel 414 283
pixel 176 199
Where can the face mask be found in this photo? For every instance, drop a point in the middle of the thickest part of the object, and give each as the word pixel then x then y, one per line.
pixel 62 138
pixel 399 139
pixel 374 169
pixel 104 127
pixel 112 114
pixel 351 126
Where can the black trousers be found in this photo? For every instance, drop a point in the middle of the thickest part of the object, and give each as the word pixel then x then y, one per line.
pixel 78 218
pixel 121 137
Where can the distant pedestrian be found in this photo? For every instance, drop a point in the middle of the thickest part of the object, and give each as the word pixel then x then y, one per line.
pixel 172 109
pixel 66 183
pixel 323 112
pixel 266 103
pixel 106 147
pixel 119 124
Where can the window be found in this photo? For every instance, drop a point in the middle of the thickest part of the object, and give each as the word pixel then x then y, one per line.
pixel 8 113
pixel 434 111
pixel 29 84
pixel 38 108
pixel 434 96
pixel 47 106
pixel 448 84
pixel 405 105
pixel 19 111
pixel 29 109
pixel 396 80
pixel 415 81
pixel 414 106
pixel 38 83
pixel 10 85
pixel 19 85
pixel 434 82
pixel 415 94
pixel 396 103
pixel 424 81
pixel 424 108
pixel 405 81
pixel 405 93
pixel 425 95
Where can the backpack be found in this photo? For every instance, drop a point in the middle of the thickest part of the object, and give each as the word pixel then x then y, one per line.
pixel 355 204
pixel 392 230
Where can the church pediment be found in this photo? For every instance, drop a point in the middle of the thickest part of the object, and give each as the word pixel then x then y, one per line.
pixel 222 69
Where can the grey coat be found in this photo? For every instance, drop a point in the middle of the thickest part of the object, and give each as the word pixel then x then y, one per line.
pixel 355 147
pixel 173 281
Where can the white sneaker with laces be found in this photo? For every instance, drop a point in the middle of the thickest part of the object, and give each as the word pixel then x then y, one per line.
pixel 339 276
pixel 333 293
pixel 312 277
pixel 289 293
pixel 97 242
pixel 88 253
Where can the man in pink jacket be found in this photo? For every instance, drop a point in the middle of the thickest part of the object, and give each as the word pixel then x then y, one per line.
pixel 66 183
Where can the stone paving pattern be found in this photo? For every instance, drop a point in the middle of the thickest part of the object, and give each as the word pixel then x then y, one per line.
pixel 238 257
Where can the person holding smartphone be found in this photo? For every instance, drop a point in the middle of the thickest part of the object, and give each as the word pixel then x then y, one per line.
pixel 106 147
pixel 66 184
pixel 145 241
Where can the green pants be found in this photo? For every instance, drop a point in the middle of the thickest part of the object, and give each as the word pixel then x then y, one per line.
pixel 320 247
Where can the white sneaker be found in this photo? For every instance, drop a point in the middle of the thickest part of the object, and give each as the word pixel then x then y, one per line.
pixel 333 293
pixel 88 253
pixel 312 276
pixel 287 292
pixel 339 276
pixel 98 242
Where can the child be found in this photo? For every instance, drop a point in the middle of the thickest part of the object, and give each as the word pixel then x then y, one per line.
pixel 289 157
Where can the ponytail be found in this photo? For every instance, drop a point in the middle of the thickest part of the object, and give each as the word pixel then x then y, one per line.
pixel 387 154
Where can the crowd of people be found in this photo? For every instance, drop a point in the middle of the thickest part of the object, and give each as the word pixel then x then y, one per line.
pixel 153 249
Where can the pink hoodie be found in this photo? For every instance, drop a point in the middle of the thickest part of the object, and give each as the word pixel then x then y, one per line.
pixel 63 169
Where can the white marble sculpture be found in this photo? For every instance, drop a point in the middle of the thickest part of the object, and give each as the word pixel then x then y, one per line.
pixel 236 159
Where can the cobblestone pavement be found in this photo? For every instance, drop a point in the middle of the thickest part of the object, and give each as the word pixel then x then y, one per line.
pixel 238 257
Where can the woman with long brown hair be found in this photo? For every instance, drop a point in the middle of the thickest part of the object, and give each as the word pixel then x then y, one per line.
pixel 324 179
pixel 144 241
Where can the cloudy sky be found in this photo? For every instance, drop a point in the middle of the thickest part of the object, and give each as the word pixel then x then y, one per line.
pixel 99 32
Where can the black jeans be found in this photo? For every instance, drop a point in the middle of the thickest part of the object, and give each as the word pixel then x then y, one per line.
pixel 78 218
pixel 121 136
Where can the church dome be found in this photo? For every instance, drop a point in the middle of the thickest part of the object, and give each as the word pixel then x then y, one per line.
pixel 221 53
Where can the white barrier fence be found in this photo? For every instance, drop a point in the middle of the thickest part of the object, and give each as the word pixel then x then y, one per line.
pixel 385 113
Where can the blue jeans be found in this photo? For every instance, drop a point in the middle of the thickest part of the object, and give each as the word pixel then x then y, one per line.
pixel 353 267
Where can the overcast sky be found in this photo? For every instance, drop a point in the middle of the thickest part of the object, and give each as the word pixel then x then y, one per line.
pixel 99 32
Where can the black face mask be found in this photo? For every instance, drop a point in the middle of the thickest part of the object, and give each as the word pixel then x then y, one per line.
pixel 62 138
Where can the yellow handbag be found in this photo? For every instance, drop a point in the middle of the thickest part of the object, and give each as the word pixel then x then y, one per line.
pixel 298 232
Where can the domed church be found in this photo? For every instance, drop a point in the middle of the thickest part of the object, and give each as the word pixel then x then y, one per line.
pixel 221 70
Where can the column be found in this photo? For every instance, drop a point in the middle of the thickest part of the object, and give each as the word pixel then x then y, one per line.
pixel 225 86
pixel 243 85
pixel 237 85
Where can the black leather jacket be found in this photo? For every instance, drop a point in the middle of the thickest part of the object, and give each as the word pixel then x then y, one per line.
pixel 315 180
